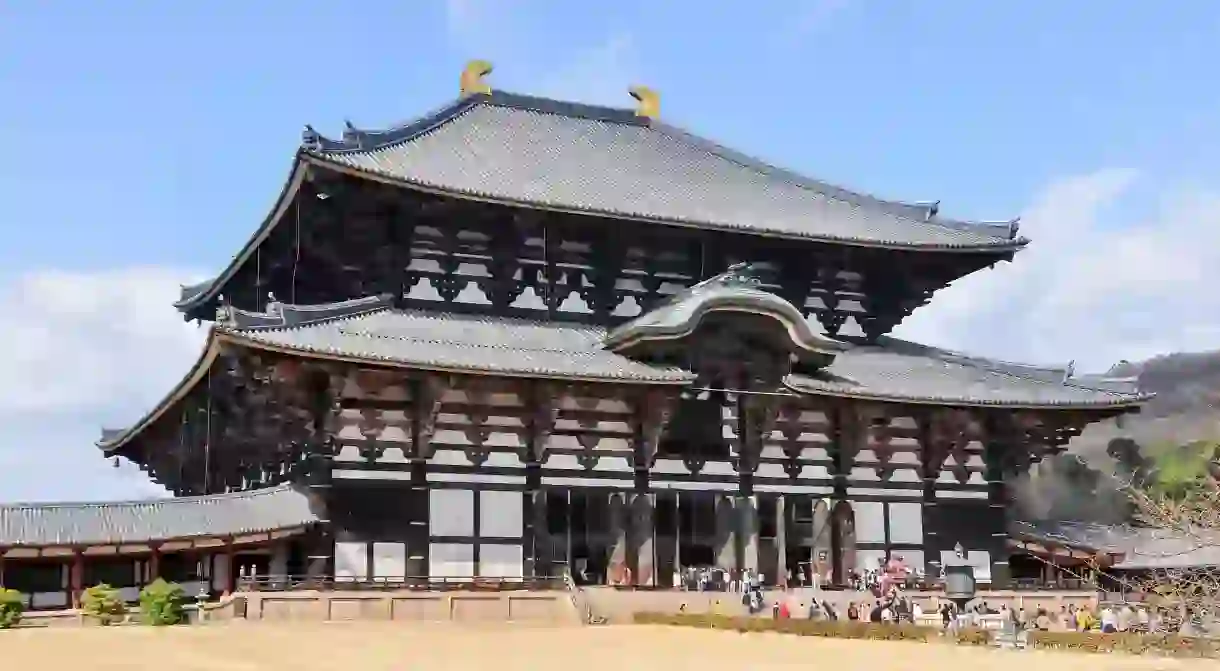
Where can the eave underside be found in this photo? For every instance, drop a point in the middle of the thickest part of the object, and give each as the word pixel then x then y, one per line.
pixel 433 250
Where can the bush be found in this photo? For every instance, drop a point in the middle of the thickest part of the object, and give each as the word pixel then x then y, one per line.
pixel 161 603
pixel 101 603
pixel 1130 643
pixel 12 605
pixel 823 628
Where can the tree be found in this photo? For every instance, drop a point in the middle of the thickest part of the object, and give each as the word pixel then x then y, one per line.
pixel 103 605
pixel 1183 499
pixel 161 603
pixel 12 605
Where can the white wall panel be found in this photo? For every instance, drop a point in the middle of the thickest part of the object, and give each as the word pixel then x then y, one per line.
pixel 351 561
pixel 870 521
pixel 500 561
pixel 906 523
pixel 451 512
pixel 450 560
pixel 389 560
pixel 501 514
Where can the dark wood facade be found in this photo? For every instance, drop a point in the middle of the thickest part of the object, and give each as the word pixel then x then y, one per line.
pixel 343 236
pixel 377 443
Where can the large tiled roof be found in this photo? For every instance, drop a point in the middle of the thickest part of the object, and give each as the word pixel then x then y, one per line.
pixel 54 524
pixel 894 369
pixel 1141 547
pixel 541 152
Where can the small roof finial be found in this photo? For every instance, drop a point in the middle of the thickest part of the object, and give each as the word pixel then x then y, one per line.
pixel 649 101
pixel 472 78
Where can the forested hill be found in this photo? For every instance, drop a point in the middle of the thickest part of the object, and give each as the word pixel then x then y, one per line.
pixel 1186 409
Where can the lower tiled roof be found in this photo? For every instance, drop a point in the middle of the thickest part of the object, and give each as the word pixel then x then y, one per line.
pixel 896 370
pixel 466 343
pixel 1142 548
pixel 57 524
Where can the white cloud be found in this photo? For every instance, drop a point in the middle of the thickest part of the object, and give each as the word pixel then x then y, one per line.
pixel 1091 286
pixel 79 351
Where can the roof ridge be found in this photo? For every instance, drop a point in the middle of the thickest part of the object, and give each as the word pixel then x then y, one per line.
pixel 224 496
pixel 295 315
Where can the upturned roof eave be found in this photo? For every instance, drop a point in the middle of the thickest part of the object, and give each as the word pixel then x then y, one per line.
pixel 282 203
pixel 197 372
pixel 1126 404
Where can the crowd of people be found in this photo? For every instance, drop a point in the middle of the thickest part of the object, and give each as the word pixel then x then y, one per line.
pixel 1106 619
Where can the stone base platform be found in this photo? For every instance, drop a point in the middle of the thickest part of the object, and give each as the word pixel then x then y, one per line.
pixel 547 607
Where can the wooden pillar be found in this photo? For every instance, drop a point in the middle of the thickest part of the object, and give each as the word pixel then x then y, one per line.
pixel 76 578
pixel 781 542
pixel 154 563
pixel 231 574
pixel 644 539
pixel 616 561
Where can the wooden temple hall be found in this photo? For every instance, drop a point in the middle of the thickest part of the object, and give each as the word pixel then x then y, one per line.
pixel 518 336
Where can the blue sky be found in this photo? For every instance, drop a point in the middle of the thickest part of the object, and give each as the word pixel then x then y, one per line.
pixel 144 141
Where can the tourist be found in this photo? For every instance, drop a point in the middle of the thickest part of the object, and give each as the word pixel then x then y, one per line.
pixel 853 611
pixel 1131 617
pixel 1043 621
pixel 1083 619
pixel 1109 621
pixel 1155 622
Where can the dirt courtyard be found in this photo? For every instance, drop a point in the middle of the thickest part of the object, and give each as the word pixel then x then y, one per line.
pixel 376 647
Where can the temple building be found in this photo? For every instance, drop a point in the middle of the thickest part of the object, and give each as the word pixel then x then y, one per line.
pixel 520 336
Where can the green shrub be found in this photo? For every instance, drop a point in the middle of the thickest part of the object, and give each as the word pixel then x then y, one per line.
pixel 161 603
pixel 1130 643
pixel 822 628
pixel 12 606
pixel 101 603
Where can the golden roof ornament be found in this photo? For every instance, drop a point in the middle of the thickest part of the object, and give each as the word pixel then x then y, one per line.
pixel 472 78
pixel 649 101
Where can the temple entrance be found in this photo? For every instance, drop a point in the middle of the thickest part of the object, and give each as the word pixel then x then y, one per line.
pixel 578 536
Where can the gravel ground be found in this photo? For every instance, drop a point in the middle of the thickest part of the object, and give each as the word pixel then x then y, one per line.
pixel 383 646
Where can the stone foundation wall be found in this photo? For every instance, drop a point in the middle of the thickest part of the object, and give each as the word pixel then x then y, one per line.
pixel 404 606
